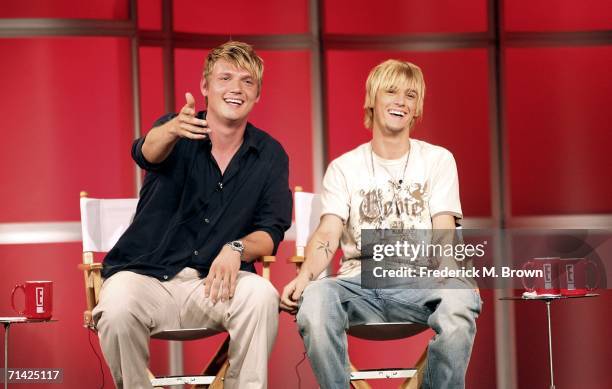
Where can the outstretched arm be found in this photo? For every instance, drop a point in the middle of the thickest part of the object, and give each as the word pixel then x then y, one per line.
pixel 160 141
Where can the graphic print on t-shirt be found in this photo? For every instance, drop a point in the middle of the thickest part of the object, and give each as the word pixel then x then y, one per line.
pixel 393 206
pixel 364 190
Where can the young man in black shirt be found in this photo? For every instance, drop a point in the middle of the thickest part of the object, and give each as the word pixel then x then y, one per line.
pixel 214 199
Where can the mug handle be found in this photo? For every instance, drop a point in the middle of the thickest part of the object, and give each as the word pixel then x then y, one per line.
pixel 594 266
pixel 527 288
pixel 18 286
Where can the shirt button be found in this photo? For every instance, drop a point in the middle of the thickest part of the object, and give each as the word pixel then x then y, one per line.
pixel 195 252
pixel 206 221
pixel 165 276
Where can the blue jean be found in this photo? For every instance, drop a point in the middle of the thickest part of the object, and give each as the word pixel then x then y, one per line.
pixel 330 305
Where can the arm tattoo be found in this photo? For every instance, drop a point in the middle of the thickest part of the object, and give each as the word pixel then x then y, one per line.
pixel 325 247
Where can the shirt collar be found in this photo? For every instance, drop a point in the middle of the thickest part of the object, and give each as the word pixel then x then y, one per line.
pixel 249 142
pixel 249 138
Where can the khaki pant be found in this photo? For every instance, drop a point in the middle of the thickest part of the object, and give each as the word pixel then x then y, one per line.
pixel 133 307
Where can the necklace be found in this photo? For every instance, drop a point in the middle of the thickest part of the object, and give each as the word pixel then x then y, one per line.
pixel 396 182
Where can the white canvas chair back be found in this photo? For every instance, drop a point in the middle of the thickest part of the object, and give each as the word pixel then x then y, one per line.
pixel 307 215
pixel 103 221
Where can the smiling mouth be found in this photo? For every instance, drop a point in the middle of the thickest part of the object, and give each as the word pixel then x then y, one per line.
pixel 234 102
pixel 397 113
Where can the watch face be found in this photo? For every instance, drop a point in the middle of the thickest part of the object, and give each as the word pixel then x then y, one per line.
pixel 237 245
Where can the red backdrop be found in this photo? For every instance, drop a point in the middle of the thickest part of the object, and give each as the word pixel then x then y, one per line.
pixel 68 126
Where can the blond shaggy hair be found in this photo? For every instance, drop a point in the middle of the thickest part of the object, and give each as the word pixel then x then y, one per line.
pixel 390 74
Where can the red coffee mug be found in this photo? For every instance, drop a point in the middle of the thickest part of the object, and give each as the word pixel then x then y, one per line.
pixel 38 299
pixel 573 274
pixel 549 283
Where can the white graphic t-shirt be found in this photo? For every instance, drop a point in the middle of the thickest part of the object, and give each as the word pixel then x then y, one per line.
pixel 377 197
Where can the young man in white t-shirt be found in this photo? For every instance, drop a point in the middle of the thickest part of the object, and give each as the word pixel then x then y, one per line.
pixel 392 182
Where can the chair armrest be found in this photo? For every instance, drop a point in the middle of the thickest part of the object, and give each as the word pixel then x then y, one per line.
pixel 297 259
pixel 93 284
pixel 89 266
pixel 267 259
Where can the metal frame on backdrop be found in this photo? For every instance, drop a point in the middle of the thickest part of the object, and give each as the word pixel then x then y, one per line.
pixel 505 347
pixel 495 39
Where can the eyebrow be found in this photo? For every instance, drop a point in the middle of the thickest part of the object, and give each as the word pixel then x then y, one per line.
pixel 242 76
pixel 395 87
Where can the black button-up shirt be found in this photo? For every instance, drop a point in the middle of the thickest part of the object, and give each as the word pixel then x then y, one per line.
pixel 188 210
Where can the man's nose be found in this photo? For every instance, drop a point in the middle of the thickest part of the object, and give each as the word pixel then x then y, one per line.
pixel 235 85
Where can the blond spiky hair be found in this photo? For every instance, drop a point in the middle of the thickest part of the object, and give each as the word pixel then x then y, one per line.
pixel 239 54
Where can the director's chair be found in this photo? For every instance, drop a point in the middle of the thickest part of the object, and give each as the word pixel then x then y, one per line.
pixel 307 215
pixel 103 221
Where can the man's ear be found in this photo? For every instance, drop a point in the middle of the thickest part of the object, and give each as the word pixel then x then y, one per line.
pixel 204 86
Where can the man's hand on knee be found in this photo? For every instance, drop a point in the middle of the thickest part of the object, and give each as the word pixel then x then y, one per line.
pixel 293 291
pixel 221 279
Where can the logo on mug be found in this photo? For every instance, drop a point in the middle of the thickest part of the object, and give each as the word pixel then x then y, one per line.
pixel 40 295
pixel 569 269
pixel 548 276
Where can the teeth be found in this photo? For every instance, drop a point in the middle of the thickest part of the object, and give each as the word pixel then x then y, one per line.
pixel 397 113
pixel 234 101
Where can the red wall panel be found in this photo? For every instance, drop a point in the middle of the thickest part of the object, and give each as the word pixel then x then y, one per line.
pixel 558 129
pixel 482 368
pixel 149 14
pixel 560 15
pixel 69 9
pixel 283 111
pixel 455 115
pixel 241 17
pixel 404 16
pixel 151 86
pixel 69 120
pixel 188 70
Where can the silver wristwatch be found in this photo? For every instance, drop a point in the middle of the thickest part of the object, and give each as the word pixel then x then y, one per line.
pixel 237 246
